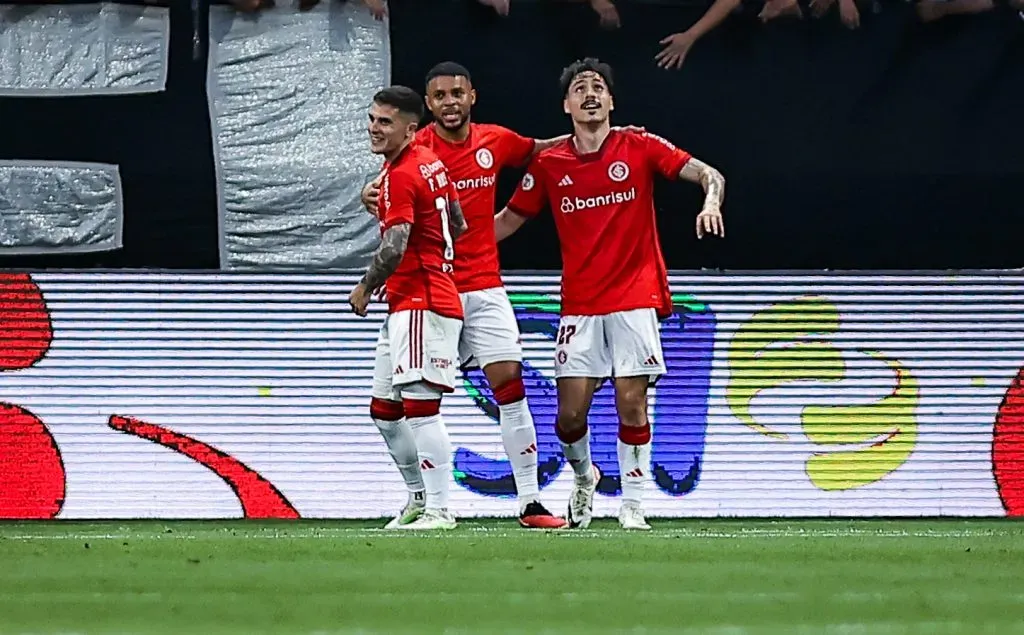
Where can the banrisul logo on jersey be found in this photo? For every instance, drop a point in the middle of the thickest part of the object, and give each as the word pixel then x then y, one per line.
pixel 679 411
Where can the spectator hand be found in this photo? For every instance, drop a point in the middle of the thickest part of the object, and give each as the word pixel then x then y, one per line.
pixel 821 7
pixel 674 53
pixel 929 10
pixel 608 13
pixel 378 8
pixel 849 14
pixel 778 8
pixel 501 6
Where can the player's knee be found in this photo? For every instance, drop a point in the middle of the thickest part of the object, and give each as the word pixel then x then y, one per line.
pixel 632 407
pixel 501 373
pixel 571 420
pixel 386 410
pixel 633 415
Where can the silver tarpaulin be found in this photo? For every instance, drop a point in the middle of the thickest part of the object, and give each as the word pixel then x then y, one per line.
pixel 288 96
pixel 82 49
pixel 59 207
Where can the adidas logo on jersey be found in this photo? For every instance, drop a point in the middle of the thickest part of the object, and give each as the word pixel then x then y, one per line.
pixel 565 182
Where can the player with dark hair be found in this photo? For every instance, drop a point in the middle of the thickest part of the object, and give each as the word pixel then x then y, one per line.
pixel 599 185
pixel 474 153
pixel 417 351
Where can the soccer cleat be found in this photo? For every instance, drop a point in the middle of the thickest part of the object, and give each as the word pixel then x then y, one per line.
pixel 536 516
pixel 581 501
pixel 410 513
pixel 432 519
pixel 632 517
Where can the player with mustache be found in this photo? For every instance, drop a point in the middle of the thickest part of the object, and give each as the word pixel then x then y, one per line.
pixel 599 185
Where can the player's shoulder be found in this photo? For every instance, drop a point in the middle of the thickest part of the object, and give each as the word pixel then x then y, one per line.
pixel 648 137
pixel 482 131
pixel 425 135
pixel 418 160
pixel 556 152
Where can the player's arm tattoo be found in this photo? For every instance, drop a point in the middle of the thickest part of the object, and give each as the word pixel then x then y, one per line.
pixel 393 244
pixel 709 178
pixel 457 218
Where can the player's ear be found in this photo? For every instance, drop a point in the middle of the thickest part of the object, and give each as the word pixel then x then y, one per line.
pixel 611 103
pixel 472 96
pixel 565 106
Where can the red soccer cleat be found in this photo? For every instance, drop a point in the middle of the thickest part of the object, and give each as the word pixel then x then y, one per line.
pixel 536 516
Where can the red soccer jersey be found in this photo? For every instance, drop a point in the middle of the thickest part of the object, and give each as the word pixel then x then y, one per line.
pixel 603 204
pixel 416 189
pixel 473 166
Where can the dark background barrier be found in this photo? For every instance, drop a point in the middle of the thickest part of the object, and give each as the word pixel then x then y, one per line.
pixel 898 145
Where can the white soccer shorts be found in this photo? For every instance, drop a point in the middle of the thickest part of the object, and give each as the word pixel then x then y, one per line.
pixel 489 333
pixel 620 344
pixel 416 346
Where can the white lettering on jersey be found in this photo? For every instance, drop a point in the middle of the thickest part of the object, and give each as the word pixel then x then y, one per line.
pixel 475 183
pixel 430 169
pixel 668 144
pixel 575 204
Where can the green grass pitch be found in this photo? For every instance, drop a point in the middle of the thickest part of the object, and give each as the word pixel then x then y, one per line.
pixel 686 577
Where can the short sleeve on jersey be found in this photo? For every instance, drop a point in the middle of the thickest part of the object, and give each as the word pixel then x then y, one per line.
pixel 399 194
pixel 531 195
pixel 515 149
pixel 664 157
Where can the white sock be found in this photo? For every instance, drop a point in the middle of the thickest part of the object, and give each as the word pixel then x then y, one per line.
pixel 634 466
pixel 578 455
pixel 435 454
pixel 520 439
pixel 398 437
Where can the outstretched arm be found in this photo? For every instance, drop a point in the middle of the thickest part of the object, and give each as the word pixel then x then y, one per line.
pixel 709 221
pixel 506 223
pixel 393 244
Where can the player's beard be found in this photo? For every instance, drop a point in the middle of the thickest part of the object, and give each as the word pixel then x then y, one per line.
pixel 454 127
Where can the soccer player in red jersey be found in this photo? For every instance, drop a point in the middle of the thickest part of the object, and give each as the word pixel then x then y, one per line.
pixel 417 351
pixel 599 186
pixel 474 153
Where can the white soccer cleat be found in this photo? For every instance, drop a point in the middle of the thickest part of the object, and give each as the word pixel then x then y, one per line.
pixel 410 513
pixel 581 501
pixel 432 519
pixel 632 517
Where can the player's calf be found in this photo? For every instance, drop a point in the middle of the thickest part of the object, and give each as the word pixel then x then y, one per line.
pixel 422 405
pixel 519 437
pixel 633 448
pixel 389 417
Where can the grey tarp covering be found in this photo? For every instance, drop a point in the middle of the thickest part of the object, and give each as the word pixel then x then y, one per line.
pixel 288 96
pixel 49 207
pixel 81 49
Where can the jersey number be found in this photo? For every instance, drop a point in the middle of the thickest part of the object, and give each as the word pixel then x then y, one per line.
pixel 565 334
pixel 441 203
